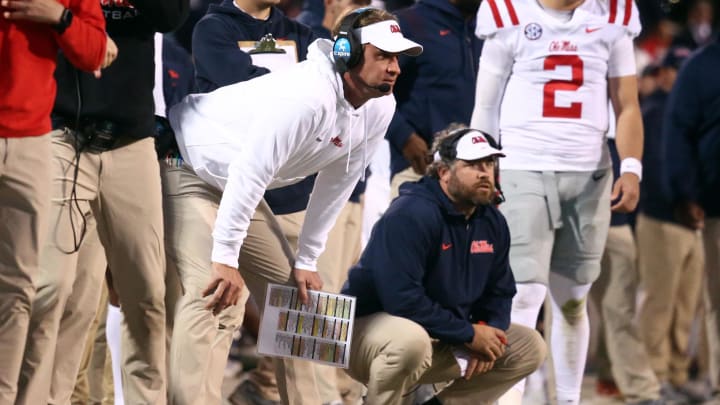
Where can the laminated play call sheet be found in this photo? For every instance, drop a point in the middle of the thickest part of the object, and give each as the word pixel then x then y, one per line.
pixel 319 332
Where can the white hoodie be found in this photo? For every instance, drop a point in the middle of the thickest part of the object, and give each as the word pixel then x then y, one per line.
pixel 273 131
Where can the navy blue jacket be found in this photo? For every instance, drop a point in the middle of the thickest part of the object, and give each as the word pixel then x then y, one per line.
pixel 692 132
pixel 220 62
pixel 218 59
pixel 618 218
pixel 653 201
pixel 178 72
pixel 426 262
pixel 438 87
pixel 312 15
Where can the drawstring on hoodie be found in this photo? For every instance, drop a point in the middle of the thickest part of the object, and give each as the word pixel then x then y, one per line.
pixel 347 164
pixel 364 155
pixel 364 165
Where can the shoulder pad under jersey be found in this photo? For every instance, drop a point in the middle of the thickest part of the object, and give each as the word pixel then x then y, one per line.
pixel 496 15
pixel 622 13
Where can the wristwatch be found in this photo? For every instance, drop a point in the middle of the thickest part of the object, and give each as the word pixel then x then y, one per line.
pixel 65 20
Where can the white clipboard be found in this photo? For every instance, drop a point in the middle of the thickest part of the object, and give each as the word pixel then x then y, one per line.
pixel 320 332
pixel 272 61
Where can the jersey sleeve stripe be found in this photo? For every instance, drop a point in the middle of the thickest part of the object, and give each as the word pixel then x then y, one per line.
pixel 613 11
pixel 628 12
pixel 496 13
pixel 511 11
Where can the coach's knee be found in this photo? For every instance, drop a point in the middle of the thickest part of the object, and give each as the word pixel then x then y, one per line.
pixel 409 352
pixel 528 349
pixel 414 353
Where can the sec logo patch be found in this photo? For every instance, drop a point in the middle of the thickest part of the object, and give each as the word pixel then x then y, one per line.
pixel 533 31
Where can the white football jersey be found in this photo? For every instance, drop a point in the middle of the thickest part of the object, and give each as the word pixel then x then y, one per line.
pixel 553 114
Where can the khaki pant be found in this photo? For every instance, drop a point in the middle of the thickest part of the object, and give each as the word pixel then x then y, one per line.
pixel 118 193
pixel 343 248
pixel 201 342
pixel 670 259
pixel 392 355
pixel 711 236
pixel 615 292
pixel 402 177
pixel 24 202
pixel 90 384
pixel 341 251
pixel 263 376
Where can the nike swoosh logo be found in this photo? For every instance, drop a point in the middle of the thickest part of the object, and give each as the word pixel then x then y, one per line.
pixel 446 246
pixel 590 30
pixel 444 32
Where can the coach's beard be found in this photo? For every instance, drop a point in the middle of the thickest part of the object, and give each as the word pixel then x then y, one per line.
pixel 481 193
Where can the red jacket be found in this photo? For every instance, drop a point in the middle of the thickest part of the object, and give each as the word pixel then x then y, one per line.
pixel 28 52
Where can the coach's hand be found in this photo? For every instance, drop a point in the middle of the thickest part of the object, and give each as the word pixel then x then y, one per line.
pixel 477 366
pixel 111 52
pixel 225 286
pixel 488 342
pixel 41 11
pixel 690 214
pixel 306 280
pixel 415 152
pixel 627 188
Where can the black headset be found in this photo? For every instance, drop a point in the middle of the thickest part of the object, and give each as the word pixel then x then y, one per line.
pixel 448 153
pixel 347 49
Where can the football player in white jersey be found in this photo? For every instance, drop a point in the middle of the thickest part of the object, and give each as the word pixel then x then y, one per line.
pixel 546 71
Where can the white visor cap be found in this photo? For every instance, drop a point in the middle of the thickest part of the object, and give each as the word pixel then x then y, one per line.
pixel 473 146
pixel 386 35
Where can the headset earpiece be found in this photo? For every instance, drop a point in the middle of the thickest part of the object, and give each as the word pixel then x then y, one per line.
pixel 448 152
pixel 448 149
pixel 347 49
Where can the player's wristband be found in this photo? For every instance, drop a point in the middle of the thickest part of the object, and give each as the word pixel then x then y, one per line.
pixel 631 165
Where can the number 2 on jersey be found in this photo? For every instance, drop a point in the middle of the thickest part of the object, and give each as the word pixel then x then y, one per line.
pixel 549 107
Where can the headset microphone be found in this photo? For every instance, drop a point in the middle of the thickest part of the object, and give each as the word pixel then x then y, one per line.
pixel 382 87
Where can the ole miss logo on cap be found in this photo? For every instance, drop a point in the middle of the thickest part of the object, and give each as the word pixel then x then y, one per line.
pixel 478 139
pixel 394 28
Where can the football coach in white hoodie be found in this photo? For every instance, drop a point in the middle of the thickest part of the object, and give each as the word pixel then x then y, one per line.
pixel 326 115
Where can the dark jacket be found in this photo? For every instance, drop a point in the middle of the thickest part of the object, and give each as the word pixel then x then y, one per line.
pixel 178 72
pixel 426 262
pixel 124 93
pixel 312 15
pixel 618 218
pixel 686 39
pixel 653 201
pixel 438 87
pixel 691 132
pixel 220 62
pixel 218 59
pixel 178 81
